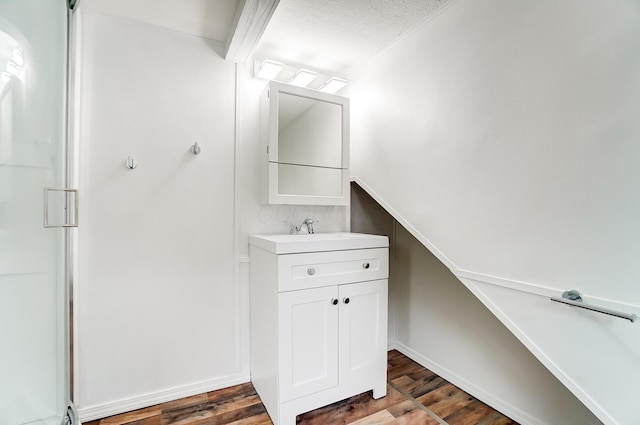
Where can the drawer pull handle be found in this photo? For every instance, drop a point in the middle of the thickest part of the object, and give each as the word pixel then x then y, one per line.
pixel 334 301
pixel 346 300
pixel 311 271
pixel 365 266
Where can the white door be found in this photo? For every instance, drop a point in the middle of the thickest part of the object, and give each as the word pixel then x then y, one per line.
pixel 363 331
pixel 308 331
pixel 33 366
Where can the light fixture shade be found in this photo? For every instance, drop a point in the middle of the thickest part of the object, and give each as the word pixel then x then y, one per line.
pixel 303 77
pixel 18 58
pixel 333 85
pixel 269 70
pixel 13 68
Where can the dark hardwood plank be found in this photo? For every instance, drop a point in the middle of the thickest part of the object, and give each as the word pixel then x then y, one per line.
pixel 470 414
pixel 352 409
pixel 412 390
pixel 184 402
pixel 230 408
pixel 399 365
pixel 152 420
pixel 230 392
pixel 455 401
pixel 259 419
pixel 492 418
pixel 419 384
pixel 130 417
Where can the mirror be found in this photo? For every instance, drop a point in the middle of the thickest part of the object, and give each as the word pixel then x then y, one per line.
pixel 309 181
pixel 309 132
pixel 306 133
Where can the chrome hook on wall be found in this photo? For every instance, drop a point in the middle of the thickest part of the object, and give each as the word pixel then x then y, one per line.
pixel 195 149
pixel 131 163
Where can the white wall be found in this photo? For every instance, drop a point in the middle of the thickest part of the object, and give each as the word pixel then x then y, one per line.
pixel 162 302
pixel 444 327
pixel 526 135
pixel 157 303
pixel 511 128
pixel 436 321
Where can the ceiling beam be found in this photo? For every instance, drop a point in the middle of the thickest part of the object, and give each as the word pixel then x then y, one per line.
pixel 251 21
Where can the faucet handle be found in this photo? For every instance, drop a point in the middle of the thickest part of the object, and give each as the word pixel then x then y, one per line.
pixel 293 227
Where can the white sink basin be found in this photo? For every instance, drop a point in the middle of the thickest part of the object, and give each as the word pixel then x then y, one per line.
pixel 289 244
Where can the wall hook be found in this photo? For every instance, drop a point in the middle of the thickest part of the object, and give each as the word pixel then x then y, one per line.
pixel 131 163
pixel 195 149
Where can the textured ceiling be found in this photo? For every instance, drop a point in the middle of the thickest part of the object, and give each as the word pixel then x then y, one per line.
pixel 339 36
pixel 334 36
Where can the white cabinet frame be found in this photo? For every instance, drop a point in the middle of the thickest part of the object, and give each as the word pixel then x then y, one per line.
pixel 317 345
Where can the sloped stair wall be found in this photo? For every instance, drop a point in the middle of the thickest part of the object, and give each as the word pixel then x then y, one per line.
pixel 504 136
pixel 439 323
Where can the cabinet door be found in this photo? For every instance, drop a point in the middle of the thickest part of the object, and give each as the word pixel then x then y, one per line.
pixel 363 331
pixel 308 331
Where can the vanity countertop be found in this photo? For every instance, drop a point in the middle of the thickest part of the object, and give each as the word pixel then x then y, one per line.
pixel 317 242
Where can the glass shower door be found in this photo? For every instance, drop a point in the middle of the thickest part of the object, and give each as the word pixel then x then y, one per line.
pixel 33 365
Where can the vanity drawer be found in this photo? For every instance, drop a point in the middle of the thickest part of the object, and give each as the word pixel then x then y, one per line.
pixel 316 269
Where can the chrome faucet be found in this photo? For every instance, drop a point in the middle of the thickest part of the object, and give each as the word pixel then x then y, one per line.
pixel 294 228
pixel 309 223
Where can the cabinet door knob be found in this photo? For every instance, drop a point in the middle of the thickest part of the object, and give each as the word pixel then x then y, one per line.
pixel 334 301
pixel 311 271
pixel 365 266
pixel 346 300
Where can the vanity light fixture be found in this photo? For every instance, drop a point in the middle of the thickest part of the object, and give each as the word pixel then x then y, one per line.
pixel 12 68
pixel 18 58
pixel 272 70
pixel 269 70
pixel 303 77
pixel 333 85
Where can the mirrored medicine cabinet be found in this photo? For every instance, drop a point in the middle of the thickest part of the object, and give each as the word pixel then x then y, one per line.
pixel 305 146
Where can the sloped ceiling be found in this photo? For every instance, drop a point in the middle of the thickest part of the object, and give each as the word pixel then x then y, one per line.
pixel 212 19
pixel 327 35
pixel 339 36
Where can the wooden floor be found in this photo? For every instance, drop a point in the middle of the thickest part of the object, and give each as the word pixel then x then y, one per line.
pixel 415 395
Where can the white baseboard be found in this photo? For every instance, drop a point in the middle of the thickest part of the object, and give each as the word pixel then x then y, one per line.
pixel 90 413
pixel 481 394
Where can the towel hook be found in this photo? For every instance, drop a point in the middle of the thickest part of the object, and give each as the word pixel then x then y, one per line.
pixel 131 163
pixel 195 149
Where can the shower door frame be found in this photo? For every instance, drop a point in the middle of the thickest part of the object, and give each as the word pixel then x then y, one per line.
pixel 70 238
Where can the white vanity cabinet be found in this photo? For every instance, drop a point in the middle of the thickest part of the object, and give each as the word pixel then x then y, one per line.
pixel 318 321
